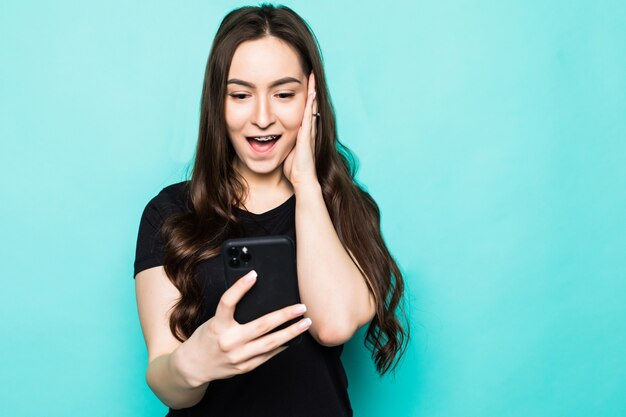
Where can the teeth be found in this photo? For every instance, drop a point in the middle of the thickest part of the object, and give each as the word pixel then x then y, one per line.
pixel 264 138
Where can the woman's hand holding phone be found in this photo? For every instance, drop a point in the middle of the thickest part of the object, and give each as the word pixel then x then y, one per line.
pixel 221 347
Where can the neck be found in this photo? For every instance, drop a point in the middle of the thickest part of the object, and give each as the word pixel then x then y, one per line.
pixel 266 188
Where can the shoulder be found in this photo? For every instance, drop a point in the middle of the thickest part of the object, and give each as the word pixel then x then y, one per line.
pixel 170 200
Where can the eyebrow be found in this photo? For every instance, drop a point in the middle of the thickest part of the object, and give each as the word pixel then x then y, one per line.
pixel 281 81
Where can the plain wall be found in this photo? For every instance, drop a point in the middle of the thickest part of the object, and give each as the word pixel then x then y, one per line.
pixel 491 134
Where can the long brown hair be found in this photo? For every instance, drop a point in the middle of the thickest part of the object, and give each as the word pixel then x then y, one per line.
pixel 215 188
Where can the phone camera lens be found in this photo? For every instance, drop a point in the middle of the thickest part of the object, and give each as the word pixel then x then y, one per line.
pixel 245 254
pixel 233 251
pixel 234 262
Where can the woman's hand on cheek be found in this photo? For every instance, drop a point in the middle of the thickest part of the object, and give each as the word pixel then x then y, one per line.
pixel 299 166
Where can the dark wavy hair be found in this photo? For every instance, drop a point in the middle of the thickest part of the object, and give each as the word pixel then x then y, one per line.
pixel 215 188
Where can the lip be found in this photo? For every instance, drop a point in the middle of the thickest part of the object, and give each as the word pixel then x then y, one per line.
pixel 263 134
pixel 268 150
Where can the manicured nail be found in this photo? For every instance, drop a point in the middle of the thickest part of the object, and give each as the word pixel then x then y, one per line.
pixel 299 309
pixel 250 276
pixel 304 324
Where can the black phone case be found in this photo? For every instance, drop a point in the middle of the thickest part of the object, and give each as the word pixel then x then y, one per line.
pixel 274 260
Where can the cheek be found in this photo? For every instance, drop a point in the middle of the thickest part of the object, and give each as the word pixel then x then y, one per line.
pixel 291 116
pixel 235 117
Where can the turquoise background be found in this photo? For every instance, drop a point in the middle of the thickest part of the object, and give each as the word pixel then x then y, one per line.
pixel 492 135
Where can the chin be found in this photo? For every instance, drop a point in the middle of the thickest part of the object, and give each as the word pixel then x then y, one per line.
pixel 263 167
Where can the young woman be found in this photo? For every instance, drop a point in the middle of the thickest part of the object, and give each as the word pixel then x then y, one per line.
pixel 267 163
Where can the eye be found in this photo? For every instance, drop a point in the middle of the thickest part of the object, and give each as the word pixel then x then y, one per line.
pixel 285 95
pixel 239 96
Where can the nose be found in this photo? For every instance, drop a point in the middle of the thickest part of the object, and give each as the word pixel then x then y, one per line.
pixel 263 115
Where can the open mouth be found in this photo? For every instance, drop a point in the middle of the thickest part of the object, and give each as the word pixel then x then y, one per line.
pixel 263 144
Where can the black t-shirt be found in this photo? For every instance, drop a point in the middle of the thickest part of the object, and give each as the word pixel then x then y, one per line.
pixel 307 379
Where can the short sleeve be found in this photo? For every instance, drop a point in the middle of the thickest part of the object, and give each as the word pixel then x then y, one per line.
pixel 150 250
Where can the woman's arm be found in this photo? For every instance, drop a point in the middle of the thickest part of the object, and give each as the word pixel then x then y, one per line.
pixel 155 296
pixel 331 284
pixel 179 373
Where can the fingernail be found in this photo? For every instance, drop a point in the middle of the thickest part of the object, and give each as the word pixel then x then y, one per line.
pixel 304 324
pixel 250 276
pixel 299 309
pixel 314 94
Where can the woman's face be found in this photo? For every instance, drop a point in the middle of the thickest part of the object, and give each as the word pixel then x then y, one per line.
pixel 266 95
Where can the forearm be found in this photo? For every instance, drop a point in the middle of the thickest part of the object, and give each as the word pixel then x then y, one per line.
pixel 168 379
pixel 331 285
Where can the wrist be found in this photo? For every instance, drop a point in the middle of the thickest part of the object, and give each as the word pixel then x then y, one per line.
pixel 305 187
pixel 181 365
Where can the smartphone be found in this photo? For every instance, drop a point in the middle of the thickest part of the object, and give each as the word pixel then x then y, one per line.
pixel 274 260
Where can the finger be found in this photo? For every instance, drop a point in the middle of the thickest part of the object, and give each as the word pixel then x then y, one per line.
pixel 308 107
pixel 305 127
pixel 314 123
pixel 271 341
pixel 257 328
pixel 311 88
pixel 308 113
pixel 258 360
pixel 228 301
pixel 313 92
pixel 314 107
pixel 314 133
